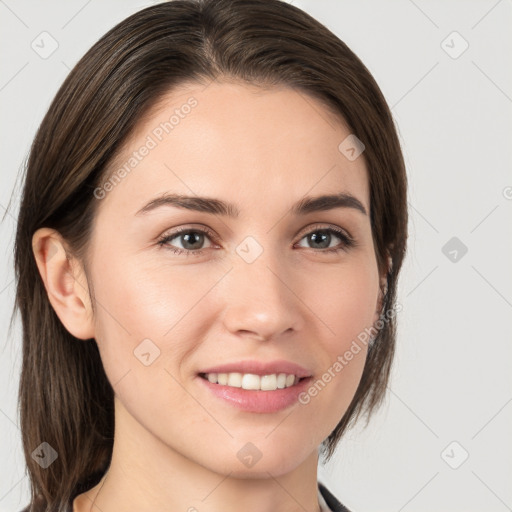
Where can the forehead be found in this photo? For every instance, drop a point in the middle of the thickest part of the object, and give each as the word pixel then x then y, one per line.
pixel 227 139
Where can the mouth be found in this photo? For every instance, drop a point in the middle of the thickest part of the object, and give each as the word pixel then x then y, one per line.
pixel 254 382
pixel 253 393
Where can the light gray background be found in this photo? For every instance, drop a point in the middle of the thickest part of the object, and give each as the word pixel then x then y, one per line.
pixel 452 378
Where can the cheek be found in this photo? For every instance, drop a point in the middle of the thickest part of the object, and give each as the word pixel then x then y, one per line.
pixel 146 308
pixel 146 324
pixel 344 299
pixel 152 299
pixel 344 302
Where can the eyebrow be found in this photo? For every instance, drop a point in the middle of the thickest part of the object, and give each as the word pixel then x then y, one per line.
pixel 218 207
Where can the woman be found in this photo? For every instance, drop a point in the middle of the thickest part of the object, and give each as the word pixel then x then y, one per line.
pixel 211 231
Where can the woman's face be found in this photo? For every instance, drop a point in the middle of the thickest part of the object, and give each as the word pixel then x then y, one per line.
pixel 254 283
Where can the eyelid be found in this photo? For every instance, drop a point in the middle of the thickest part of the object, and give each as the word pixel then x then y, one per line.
pixel 189 227
pixel 323 225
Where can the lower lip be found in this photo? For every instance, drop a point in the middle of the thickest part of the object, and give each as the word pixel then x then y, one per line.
pixel 256 400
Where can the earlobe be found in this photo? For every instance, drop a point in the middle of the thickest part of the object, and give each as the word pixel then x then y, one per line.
pixel 65 282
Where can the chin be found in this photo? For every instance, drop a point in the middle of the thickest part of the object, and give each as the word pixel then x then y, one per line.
pixel 271 461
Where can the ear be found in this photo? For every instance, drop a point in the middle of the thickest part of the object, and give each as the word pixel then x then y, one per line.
pixel 65 282
pixel 383 288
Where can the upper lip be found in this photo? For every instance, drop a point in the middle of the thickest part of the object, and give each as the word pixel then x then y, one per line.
pixel 260 368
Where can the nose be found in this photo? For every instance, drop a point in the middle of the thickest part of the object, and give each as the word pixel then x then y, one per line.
pixel 260 299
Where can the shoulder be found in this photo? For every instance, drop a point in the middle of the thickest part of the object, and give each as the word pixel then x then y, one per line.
pixel 331 500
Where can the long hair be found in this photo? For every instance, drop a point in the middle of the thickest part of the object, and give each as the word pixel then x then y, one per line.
pixel 65 398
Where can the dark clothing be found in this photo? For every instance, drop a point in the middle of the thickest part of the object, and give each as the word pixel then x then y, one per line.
pixel 331 500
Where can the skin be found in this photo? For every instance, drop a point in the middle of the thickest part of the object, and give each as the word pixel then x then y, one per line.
pixel 175 443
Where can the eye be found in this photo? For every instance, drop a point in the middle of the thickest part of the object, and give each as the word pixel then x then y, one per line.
pixel 322 237
pixel 191 240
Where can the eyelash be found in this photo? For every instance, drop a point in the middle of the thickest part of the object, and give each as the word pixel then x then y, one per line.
pixel 347 241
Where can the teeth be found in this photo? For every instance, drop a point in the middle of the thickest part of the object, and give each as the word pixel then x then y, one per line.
pixel 252 381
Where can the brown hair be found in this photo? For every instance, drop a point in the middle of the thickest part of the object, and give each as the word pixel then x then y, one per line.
pixel 65 398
